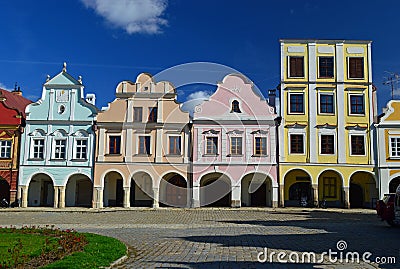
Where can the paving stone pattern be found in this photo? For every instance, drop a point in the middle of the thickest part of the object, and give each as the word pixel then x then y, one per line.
pixel 225 238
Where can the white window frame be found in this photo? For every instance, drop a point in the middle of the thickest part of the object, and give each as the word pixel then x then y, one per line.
pixel 138 145
pixel 289 105
pixel 266 145
pixel 390 146
pixel 54 148
pixel 169 145
pixel 6 147
pixel 108 143
pixel 348 67
pixel 76 148
pixel 334 63
pixel 230 145
pixel 319 102
pixel 32 148
pixel 205 144
pixel 288 65
pixel 349 104
pixel 358 133
pixel 327 132
pixel 297 132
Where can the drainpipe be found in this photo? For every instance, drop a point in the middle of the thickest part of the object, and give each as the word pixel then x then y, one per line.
pixel 278 121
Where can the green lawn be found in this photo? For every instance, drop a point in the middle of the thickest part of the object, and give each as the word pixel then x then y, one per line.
pixel 98 252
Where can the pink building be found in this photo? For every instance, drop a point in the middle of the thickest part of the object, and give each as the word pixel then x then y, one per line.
pixel 234 147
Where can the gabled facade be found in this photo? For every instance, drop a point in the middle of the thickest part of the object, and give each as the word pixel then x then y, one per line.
pixel 56 165
pixel 328 105
pixel 234 147
pixel 388 149
pixel 12 122
pixel 142 155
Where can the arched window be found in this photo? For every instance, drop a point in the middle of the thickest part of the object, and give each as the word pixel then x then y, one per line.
pixel 235 107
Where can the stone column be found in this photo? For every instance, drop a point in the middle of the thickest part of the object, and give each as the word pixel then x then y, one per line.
pixel 275 192
pixel 155 197
pixel 196 195
pixel 23 196
pixel 315 193
pixel 55 197
pixel 62 197
pixel 98 197
pixel 346 191
pixel 282 196
pixel 236 195
pixel 127 196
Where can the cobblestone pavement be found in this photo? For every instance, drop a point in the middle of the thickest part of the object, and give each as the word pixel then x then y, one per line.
pixel 227 238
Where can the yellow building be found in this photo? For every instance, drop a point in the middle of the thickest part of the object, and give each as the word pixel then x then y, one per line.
pixel 388 148
pixel 328 104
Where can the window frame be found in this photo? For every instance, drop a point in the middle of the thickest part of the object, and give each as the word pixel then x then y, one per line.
pixel 290 143
pixel 152 117
pixel 351 144
pixel 212 153
pixel 146 150
pixel 33 146
pixel 179 143
pixel 237 148
pixel 76 146
pixel 135 114
pixel 7 148
pixel 319 67
pixel 290 112
pixel 290 66
pixel 320 94
pixel 350 104
pixel 55 146
pixel 263 152
pixel 348 67
pixel 331 186
pixel 391 148
pixel 120 144
pixel 333 143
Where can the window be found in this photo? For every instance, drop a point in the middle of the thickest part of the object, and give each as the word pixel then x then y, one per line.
pixel 38 149
pixel 5 149
pixel 59 149
pixel 326 67
pixel 357 145
pixel 327 144
pixel 296 143
pixel 326 103
pixel 235 107
pixel 329 187
pixel 357 104
pixel 260 146
pixel 81 149
pixel 144 145
pixel 114 146
pixel 236 146
pixel 137 114
pixel 296 65
pixel 212 145
pixel 356 67
pixel 175 145
pixel 152 114
pixel 395 147
pixel 296 103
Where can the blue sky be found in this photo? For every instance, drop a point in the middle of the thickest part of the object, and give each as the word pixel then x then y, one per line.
pixel 109 41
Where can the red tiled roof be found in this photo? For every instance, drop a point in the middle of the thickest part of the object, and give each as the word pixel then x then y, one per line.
pixel 14 101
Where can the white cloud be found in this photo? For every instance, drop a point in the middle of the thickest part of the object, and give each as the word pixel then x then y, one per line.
pixel 135 16
pixel 195 99
pixel 4 87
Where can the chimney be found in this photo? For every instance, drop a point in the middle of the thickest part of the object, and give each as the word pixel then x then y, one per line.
pixel 17 91
pixel 272 97
pixel 91 98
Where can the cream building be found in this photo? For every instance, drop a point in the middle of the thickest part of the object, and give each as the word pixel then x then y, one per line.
pixel 142 155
